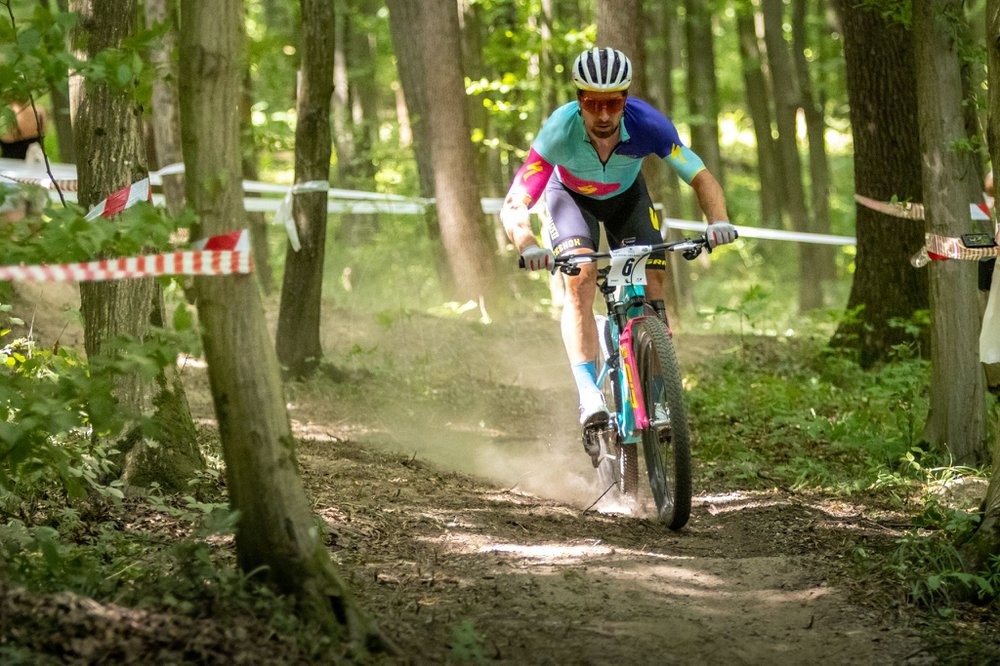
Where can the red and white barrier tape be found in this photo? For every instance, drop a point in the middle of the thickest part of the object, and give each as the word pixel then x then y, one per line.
pixel 226 254
pixel 915 211
pixel 122 199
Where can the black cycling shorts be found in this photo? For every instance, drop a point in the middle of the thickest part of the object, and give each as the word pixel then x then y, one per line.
pixel 574 220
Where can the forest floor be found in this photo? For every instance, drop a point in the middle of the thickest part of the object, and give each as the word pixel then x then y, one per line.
pixel 444 457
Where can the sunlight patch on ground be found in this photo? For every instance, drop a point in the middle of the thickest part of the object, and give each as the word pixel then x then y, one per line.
pixel 544 553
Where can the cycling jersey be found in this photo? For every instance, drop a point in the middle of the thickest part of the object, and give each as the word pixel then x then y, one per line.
pixel 562 147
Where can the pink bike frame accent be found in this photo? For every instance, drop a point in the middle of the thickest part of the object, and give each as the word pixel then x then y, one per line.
pixel 632 373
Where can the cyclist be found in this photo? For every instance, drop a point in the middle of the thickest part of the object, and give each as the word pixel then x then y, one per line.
pixel 595 146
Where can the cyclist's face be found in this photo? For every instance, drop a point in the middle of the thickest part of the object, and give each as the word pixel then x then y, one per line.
pixel 602 112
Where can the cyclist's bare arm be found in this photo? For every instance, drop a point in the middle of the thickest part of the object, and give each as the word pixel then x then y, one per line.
pixel 710 196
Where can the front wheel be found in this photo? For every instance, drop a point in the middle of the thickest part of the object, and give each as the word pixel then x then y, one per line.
pixel 666 441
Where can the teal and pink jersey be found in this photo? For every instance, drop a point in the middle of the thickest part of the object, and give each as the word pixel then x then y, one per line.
pixel 562 147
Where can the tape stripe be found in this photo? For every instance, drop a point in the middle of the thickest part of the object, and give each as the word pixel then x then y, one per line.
pixel 187 262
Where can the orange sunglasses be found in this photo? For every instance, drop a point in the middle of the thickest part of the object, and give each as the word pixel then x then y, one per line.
pixel 611 105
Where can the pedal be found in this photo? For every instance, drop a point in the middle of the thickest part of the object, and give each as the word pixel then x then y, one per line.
pixel 592 435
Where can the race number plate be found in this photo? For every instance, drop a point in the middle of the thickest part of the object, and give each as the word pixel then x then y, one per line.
pixel 628 265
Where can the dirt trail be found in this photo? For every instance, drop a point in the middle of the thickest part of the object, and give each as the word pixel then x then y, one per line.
pixel 461 523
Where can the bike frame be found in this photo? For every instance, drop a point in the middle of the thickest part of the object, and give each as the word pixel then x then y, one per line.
pixel 621 285
pixel 624 311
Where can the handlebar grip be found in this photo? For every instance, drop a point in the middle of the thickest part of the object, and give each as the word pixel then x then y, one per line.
pixel 520 262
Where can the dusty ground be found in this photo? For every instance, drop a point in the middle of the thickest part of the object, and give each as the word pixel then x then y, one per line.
pixel 446 463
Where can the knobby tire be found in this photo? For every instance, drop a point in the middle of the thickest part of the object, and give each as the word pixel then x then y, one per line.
pixel 667 452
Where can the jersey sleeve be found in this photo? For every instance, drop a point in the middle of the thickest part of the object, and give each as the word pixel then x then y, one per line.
pixel 531 178
pixel 685 162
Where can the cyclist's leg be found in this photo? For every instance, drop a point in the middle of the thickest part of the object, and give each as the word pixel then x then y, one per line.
pixel 572 230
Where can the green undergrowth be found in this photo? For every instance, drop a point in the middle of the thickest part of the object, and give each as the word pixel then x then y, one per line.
pixel 162 554
pixel 793 413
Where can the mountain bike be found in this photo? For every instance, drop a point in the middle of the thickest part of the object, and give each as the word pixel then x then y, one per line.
pixel 641 375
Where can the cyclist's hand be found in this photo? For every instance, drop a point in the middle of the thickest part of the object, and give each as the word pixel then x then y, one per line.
pixel 535 258
pixel 720 233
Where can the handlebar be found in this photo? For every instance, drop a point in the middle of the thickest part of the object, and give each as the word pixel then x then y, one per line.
pixel 690 248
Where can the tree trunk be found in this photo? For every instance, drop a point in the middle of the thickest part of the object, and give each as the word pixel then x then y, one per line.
pixel 276 531
pixel 787 98
pixel 165 123
pixel 703 99
pixel 758 103
pixel 464 234
pixel 821 257
pixel 403 16
pixel 256 220
pixel 109 142
pixel 880 70
pixel 956 422
pixel 298 339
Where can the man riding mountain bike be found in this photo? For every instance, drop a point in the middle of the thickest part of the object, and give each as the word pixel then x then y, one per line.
pixel 595 147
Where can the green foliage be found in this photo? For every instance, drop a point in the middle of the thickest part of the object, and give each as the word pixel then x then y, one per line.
pixel 67 237
pixel 792 412
pixel 33 52
pixel 49 407
pixel 927 562
pixel 35 57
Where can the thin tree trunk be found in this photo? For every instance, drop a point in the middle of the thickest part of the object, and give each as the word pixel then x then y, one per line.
pixel 787 100
pixel 256 220
pixel 276 531
pixel 819 169
pixel 299 346
pixel 166 110
pixel 703 97
pixel 756 83
pixel 661 59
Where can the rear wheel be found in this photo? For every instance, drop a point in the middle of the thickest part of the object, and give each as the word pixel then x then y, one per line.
pixel 666 441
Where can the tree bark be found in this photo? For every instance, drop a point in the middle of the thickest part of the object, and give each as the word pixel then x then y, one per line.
pixel 757 84
pixel 787 99
pixel 880 87
pixel 956 422
pixel 109 142
pixel 166 108
pixel 299 346
pixel 276 531
pixel 403 16
pixel 703 98
pixel 464 234
pixel 821 257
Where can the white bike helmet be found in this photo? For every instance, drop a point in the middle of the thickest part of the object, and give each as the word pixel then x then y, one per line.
pixel 602 70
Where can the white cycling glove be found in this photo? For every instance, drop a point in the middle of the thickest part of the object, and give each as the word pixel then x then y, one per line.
pixel 720 233
pixel 535 258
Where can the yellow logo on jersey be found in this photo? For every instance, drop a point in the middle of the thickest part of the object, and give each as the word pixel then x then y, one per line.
pixel 676 154
pixel 587 189
pixel 531 169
